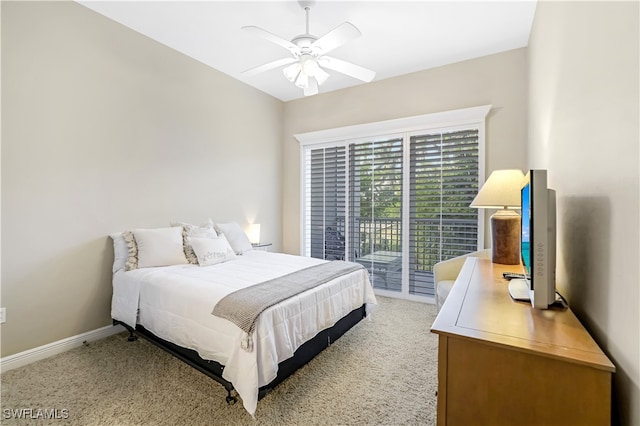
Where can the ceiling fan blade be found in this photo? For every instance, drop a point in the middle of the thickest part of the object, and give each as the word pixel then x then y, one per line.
pixel 273 38
pixel 312 88
pixel 344 67
pixel 269 66
pixel 335 38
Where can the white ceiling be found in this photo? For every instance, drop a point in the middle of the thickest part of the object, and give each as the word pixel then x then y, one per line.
pixel 398 37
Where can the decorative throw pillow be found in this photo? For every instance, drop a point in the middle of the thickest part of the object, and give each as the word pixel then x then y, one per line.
pixel 132 251
pixel 212 250
pixel 238 240
pixel 159 247
pixel 189 230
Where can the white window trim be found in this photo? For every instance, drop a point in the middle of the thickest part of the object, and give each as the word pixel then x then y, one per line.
pixel 401 125
pixel 474 116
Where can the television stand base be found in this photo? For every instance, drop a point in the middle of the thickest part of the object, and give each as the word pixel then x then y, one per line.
pixel 519 290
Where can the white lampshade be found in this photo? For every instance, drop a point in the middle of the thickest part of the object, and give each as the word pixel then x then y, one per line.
pixel 254 233
pixel 500 191
pixel 321 76
pixel 291 72
pixel 302 81
pixel 310 66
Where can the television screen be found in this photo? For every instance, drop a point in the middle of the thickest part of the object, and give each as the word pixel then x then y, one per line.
pixel 525 237
pixel 538 239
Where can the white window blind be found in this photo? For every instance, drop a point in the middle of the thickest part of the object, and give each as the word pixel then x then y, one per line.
pixel 325 193
pixel 443 182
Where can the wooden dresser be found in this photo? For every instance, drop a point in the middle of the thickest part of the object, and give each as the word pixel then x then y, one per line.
pixel 501 362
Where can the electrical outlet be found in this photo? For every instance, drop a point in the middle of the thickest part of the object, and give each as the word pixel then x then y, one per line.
pixel 3 315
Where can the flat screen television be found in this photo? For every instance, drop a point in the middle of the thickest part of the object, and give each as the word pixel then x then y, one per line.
pixel 537 242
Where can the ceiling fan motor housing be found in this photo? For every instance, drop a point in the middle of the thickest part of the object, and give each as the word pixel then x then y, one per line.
pixel 304 42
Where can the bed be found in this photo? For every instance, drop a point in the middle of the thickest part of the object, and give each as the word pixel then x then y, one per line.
pixel 172 306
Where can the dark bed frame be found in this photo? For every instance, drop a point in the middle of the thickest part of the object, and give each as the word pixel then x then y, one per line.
pixel 286 368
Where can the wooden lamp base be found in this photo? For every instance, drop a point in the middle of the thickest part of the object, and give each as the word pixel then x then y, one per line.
pixel 505 237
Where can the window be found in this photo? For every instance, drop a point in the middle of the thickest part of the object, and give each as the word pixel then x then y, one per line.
pixel 394 196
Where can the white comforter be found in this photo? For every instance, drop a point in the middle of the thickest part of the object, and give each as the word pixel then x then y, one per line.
pixel 175 303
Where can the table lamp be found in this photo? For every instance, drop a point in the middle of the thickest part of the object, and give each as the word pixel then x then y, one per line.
pixel 502 191
pixel 254 233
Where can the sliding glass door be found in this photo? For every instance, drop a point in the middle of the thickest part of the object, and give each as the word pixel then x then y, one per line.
pixel 397 204
pixel 375 210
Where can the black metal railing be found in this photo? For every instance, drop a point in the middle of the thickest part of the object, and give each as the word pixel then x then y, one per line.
pixel 377 244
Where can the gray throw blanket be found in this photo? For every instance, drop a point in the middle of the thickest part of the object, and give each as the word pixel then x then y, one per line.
pixel 242 307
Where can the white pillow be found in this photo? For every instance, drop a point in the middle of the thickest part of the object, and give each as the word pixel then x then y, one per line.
pixel 189 230
pixel 212 250
pixel 120 251
pixel 238 240
pixel 159 247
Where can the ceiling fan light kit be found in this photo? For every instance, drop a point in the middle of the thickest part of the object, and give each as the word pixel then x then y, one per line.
pixel 291 72
pixel 305 67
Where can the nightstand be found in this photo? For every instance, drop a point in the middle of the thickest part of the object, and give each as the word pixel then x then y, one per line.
pixel 262 246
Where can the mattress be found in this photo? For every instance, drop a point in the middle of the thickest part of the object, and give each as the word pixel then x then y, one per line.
pixel 175 304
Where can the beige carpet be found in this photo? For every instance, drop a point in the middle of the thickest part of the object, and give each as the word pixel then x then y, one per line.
pixel 382 372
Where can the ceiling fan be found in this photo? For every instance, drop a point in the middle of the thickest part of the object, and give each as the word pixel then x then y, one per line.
pixel 305 68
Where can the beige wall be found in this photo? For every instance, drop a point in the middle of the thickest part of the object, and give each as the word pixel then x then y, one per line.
pixel 500 80
pixel 104 130
pixel 583 128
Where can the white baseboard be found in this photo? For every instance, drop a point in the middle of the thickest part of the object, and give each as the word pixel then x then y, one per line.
pixel 41 352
